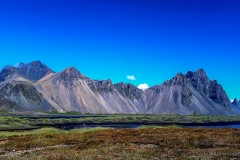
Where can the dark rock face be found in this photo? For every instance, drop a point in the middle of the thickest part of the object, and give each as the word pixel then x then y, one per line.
pixel 33 71
pixel 129 90
pixel 25 95
pixel 69 75
pixel 199 80
pixel 105 86
pixel 189 94
pixel 7 72
pixel 180 91
pixel 218 94
pixel 185 93
pixel 27 91
pixel 101 86
pixel 9 106
pixel 236 102
pixel 171 97
pixel 211 89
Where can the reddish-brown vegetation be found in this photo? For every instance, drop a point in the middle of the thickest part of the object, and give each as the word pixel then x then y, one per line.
pixel 159 143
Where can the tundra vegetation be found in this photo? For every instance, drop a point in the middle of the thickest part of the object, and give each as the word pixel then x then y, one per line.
pixel 146 142
pixel 106 143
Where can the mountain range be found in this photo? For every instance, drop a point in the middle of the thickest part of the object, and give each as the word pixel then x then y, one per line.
pixel 35 87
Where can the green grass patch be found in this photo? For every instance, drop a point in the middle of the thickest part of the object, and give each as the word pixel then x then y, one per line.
pixel 83 130
pixel 155 127
pixel 4 134
pixel 18 122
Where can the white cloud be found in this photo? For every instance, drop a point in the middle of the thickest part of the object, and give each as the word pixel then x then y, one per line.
pixel 143 86
pixel 132 78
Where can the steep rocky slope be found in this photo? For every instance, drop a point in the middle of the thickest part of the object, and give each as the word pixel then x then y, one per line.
pixel 71 90
pixel 9 106
pixel 211 89
pixel 6 73
pixel 33 71
pixel 236 102
pixel 25 95
pixel 193 93
pixel 236 105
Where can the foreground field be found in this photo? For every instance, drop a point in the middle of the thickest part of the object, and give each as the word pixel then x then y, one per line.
pixel 102 143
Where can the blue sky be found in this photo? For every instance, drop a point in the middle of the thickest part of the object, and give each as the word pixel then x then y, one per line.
pixel 151 40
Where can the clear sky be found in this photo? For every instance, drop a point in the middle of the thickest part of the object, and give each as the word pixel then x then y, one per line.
pixel 151 40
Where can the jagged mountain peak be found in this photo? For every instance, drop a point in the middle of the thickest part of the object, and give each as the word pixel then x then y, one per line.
pixel 201 71
pixel 200 81
pixel 101 86
pixel 178 76
pixel 7 72
pixel 8 67
pixel 34 70
pixel 37 65
pixel 70 74
pixel 38 62
pixel 236 102
pixel 199 74
pixel 71 69
pixel 124 85
pixel 179 79
pixel 33 63
pixel 107 81
pixel 129 90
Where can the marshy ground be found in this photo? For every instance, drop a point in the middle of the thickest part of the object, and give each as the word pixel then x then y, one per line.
pixel 104 143
pixel 19 122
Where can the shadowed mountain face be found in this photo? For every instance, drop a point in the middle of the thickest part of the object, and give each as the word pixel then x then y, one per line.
pixel 26 96
pixel 9 106
pixel 33 71
pixel 7 72
pixel 172 97
pixel 236 105
pixel 211 89
pixel 236 102
pixel 192 93
pixel 36 87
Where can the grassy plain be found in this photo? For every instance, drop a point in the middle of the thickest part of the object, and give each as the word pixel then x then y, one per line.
pixel 30 122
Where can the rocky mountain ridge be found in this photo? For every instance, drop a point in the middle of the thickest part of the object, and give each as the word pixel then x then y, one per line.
pixel 236 102
pixel 32 71
pixel 35 87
